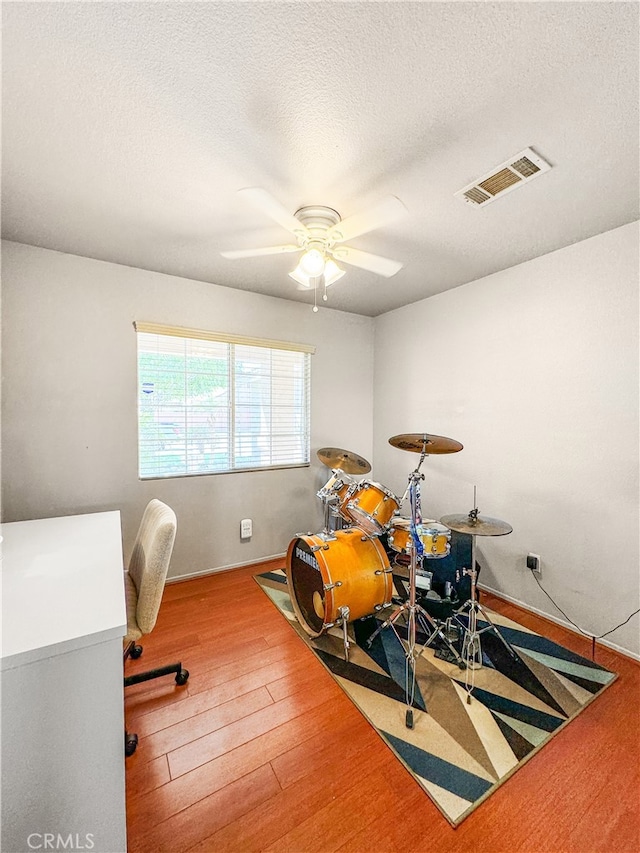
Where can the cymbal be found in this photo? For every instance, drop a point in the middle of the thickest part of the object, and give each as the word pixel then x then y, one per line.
pixel 350 463
pixel 479 526
pixel 418 442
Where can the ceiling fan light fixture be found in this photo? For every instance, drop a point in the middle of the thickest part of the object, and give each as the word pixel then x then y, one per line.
pixel 304 281
pixel 312 263
pixel 332 272
pixel 300 277
pixel 318 229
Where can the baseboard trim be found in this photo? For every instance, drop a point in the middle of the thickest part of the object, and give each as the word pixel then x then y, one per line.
pixel 204 572
pixel 563 624
pixel 498 593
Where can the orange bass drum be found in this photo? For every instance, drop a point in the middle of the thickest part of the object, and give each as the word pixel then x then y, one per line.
pixel 324 576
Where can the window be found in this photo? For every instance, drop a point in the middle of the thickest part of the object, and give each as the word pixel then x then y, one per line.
pixel 210 403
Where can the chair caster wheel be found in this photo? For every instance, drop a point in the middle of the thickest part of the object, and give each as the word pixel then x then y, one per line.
pixel 130 743
pixel 182 676
pixel 135 652
pixel 462 665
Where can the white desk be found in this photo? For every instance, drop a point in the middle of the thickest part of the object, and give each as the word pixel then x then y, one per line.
pixel 62 720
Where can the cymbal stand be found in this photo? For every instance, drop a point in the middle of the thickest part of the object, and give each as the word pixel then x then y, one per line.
pixel 471 647
pixel 410 608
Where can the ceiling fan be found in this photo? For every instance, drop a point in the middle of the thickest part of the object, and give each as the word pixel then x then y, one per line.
pixel 320 233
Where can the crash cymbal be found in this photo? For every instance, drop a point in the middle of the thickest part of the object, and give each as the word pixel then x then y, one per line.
pixel 350 463
pixel 476 525
pixel 419 442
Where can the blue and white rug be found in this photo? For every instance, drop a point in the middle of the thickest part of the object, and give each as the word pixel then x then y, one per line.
pixel 459 751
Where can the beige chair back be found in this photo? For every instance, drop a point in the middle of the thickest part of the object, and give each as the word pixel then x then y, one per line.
pixel 149 562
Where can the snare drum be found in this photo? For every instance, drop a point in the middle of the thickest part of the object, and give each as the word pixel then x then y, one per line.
pixel 436 540
pixel 324 576
pixel 435 537
pixel 371 507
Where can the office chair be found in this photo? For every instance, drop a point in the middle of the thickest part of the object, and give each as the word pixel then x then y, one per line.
pixel 144 585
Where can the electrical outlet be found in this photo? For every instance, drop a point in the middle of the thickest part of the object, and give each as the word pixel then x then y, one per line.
pixel 246 528
pixel 533 563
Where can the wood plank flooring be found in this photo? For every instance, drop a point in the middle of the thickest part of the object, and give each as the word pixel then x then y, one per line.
pixel 262 751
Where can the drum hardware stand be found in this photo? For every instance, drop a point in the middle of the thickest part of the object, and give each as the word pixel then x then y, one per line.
pixel 344 614
pixel 412 610
pixel 327 533
pixel 329 500
pixel 471 647
pixel 342 463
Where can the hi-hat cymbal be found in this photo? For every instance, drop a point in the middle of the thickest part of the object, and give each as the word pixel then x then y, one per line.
pixel 476 525
pixel 350 463
pixel 420 442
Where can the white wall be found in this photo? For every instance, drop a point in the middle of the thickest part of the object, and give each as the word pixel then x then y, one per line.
pixel 69 400
pixel 535 370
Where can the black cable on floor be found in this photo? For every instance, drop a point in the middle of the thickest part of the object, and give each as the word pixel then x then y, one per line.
pixel 584 633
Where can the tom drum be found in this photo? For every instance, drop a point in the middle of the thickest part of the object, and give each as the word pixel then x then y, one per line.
pixel 371 507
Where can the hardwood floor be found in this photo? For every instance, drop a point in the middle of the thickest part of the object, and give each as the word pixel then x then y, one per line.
pixel 262 751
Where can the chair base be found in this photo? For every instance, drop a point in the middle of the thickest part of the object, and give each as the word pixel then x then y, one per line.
pixel 181 674
pixel 130 743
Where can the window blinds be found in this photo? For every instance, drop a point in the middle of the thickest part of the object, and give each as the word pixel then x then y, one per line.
pixel 212 403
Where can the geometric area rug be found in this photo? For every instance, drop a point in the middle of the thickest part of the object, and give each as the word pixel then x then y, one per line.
pixel 458 752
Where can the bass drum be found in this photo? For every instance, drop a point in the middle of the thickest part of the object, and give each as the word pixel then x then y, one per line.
pixel 348 571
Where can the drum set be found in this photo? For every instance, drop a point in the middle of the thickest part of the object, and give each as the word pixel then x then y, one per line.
pixel 343 573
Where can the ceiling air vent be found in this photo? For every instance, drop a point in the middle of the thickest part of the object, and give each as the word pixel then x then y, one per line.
pixel 516 172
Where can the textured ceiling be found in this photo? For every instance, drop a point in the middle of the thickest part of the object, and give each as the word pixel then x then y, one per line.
pixel 128 128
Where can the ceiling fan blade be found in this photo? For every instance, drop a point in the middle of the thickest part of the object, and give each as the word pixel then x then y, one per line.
pixel 367 261
pixel 234 254
pixel 265 202
pixel 386 211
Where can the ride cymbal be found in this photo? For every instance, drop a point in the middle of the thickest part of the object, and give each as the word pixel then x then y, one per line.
pixel 350 463
pixel 476 525
pixel 423 443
